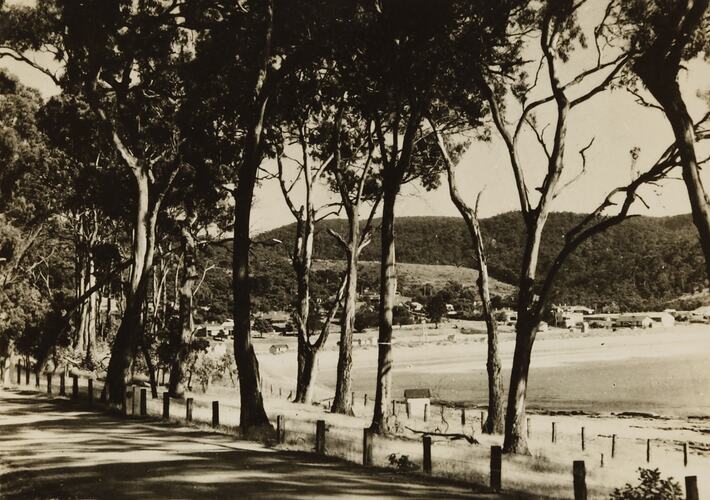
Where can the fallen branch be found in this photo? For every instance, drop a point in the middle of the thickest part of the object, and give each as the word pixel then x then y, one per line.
pixel 452 436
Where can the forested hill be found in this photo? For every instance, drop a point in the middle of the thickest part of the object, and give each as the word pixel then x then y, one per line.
pixel 642 263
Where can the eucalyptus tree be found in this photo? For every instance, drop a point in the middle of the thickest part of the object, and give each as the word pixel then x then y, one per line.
pixel 352 177
pixel 554 27
pixel 243 53
pixel 664 35
pixel 125 63
pixel 401 60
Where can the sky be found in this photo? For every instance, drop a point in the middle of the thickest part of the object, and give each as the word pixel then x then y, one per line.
pixel 613 119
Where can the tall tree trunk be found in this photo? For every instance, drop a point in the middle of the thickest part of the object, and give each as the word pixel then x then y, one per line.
pixel 343 386
pixel 494 422
pixel 307 371
pixel 131 328
pixel 252 413
pixel 665 90
pixel 183 337
pixel 515 420
pixel 388 289
pixel 525 330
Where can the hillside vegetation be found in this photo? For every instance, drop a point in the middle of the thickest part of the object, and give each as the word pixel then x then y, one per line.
pixel 643 263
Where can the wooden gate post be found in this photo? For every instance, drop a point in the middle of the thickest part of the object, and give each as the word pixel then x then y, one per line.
pixel 580 482
pixel 19 373
pixel 49 384
pixel 90 390
pixel 75 387
pixel 496 468
pixel 27 375
pixel 554 432
pixel 62 384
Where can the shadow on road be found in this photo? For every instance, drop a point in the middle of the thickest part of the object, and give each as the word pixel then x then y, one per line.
pixel 55 449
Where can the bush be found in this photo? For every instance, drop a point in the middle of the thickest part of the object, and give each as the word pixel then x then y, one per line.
pixel 402 462
pixel 262 325
pixel 366 318
pixel 650 487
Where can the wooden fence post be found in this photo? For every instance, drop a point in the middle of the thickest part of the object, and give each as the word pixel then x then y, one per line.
pixel 527 426
pixel 685 454
pixel 394 407
pixel 49 384
pixel 90 390
pixel 188 409
pixel 582 438
pixel 75 387
pixel 648 450
pixel 483 421
pixel 166 405
pixel 19 372
pixel 280 429
pixel 215 413
pixel 27 375
pixel 409 409
pixel 37 378
pixel 366 447
pixel 62 384
pixel 496 468
pixel 144 402
pixel 426 462
pixel 124 405
pixel 365 400
pixel 580 482
pixel 691 487
pixel 134 400
pixel 463 417
pixel 426 412
pixel 602 462
pixel 613 445
pixel 352 399
pixel 280 392
pixel 554 432
pixel 320 437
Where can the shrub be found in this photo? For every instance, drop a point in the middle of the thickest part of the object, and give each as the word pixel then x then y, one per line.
pixel 650 487
pixel 366 318
pixel 402 462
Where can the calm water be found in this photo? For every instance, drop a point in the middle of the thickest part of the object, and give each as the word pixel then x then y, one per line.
pixel 666 386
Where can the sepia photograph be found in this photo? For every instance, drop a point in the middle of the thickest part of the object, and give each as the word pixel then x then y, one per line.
pixel 355 249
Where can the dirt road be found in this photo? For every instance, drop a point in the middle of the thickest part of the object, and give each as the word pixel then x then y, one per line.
pixel 57 449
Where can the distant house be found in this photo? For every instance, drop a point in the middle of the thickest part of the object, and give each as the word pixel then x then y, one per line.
pixel 215 330
pixel 507 317
pixel 570 316
pixel 416 400
pixel 662 318
pixel 636 320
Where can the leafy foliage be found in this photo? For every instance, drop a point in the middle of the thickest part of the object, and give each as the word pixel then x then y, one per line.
pixel 650 487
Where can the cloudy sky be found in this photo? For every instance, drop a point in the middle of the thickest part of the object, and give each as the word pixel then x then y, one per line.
pixel 615 121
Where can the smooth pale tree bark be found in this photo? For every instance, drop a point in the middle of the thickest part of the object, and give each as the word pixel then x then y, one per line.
pixel 183 337
pixel 309 341
pixel 494 421
pixel 530 307
pixel 131 327
pixel 658 68
pixel 252 413
pixel 357 240
pixel 395 166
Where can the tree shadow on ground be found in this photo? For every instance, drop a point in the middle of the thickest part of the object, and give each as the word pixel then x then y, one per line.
pixel 54 449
